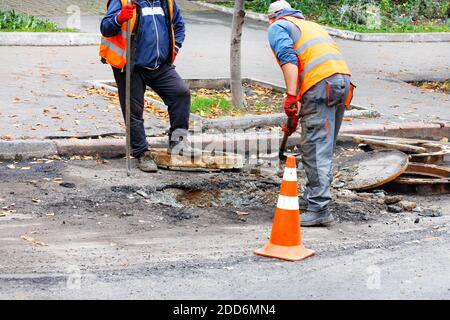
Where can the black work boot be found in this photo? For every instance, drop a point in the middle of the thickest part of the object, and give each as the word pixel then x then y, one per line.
pixel 181 146
pixel 146 162
pixel 311 218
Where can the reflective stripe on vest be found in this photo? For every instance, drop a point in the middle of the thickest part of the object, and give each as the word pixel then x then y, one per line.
pixel 113 49
pixel 318 55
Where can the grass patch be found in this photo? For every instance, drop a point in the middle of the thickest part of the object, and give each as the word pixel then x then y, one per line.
pixel 208 106
pixel 216 103
pixel 369 16
pixel 11 21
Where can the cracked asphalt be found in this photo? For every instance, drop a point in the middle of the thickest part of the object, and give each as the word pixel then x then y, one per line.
pixel 99 234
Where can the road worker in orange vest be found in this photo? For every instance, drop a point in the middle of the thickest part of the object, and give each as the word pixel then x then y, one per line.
pixel 318 83
pixel 158 32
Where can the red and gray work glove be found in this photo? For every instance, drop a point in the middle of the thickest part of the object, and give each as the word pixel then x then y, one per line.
pixel 293 128
pixel 126 13
pixel 290 105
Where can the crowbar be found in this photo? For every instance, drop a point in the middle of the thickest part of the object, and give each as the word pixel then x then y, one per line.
pixel 128 97
pixel 281 153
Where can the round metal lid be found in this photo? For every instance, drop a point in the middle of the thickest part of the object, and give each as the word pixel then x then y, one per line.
pixel 369 170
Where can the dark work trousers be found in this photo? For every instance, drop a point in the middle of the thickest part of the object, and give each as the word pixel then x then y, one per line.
pixel 321 115
pixel 167 83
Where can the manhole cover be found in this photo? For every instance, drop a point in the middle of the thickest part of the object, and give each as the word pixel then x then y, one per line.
pixel 369 170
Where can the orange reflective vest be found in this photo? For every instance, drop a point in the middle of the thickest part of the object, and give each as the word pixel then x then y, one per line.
pixel 113 49
pixel 318 55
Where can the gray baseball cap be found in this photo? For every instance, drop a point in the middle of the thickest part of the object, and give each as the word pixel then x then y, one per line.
pixel 277 6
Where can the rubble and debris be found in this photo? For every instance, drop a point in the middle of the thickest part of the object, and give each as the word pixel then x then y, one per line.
pixel 143 194
pixel 392 199
pixel 432 213
pixel 69 185
pixel 407 205
pixel 394 208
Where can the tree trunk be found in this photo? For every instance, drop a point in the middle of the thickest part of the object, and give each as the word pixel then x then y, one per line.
pixel 237 91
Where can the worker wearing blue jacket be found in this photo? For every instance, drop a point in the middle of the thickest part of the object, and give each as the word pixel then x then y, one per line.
pixel 158 32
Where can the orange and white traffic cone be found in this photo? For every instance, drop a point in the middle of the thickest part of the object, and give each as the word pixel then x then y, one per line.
pixel 286 240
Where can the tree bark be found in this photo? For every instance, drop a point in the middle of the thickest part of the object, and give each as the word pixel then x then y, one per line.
pixel 237 91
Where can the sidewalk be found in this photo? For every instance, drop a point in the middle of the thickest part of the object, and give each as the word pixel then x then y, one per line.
pixel 38 80
pixel 53 8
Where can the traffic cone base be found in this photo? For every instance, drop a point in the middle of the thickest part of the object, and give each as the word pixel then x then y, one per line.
pixel 294 253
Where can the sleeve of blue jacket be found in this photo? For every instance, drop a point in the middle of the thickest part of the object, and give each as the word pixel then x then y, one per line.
pixel 281 42
pixel 109 26
pixel 179 27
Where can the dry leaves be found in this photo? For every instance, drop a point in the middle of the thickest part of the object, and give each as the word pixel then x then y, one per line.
pixel 6 212
pixel 6 137
pixel 113 97
pixel 74 95
pixel 33 241
pixel 81 158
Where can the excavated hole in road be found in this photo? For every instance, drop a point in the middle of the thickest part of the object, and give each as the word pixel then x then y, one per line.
pixel 263 201
pixel 236 199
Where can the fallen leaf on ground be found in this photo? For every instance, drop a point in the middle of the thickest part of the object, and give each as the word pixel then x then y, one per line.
pixel 34 241
pixel 75 96
pixel 36 200
pixel 6 213
pixel 6 137
pixel 11 166
pixel 444 139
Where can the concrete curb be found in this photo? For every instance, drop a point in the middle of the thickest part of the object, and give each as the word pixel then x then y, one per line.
pixel 27 149
pixel 115 148
pixel 47 39
pixel 234 123
pixel 350 35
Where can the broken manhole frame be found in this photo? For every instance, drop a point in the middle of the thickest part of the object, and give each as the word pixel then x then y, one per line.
pixel 423 179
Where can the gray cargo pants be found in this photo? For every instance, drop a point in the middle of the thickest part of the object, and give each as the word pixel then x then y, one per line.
pixel 321 116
